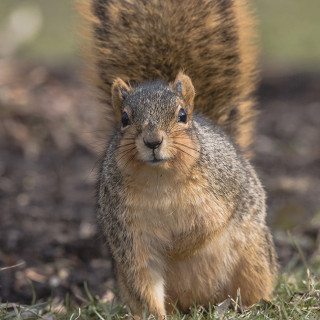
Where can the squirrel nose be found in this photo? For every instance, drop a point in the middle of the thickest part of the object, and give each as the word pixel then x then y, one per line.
pixel 153 144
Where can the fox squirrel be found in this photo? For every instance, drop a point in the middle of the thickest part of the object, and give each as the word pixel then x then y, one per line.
pixel 182 209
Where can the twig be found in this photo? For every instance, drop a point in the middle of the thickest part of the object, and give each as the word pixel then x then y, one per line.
pixel 14 266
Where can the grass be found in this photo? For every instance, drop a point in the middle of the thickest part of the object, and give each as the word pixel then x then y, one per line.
pixel 297 296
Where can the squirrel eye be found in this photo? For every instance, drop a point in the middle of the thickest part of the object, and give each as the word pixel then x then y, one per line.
pixel 125 119
pixel 182 116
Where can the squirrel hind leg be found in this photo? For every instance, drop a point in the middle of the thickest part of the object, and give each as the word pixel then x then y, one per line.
pixel 255 279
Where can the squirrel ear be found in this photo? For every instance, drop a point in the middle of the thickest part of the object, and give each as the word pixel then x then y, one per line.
pixel 119 92
pixel 183 85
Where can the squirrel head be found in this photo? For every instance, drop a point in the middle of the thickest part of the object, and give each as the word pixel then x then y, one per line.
pixel 155 120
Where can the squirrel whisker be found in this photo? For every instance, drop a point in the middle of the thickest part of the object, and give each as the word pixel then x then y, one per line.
pixel 182 134
pixel 131 158
pixel 185 137
pixel 181 130
pixel 123 153
pixel 124 145
pixel 181 144
pixel 124 150
pixel 184 151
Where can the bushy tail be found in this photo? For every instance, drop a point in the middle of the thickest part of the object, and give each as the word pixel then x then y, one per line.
pixel 210 40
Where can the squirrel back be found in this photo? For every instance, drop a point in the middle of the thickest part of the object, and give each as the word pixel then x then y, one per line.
pixel 210 40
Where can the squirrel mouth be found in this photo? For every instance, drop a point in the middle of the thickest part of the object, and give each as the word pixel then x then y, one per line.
pixel 155 160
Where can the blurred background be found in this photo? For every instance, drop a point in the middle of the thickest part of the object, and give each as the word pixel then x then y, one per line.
pixel 48 147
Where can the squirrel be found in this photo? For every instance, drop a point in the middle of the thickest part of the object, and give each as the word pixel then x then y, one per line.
pixel 179 203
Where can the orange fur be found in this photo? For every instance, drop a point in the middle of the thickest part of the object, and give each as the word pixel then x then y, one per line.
pixel 223 71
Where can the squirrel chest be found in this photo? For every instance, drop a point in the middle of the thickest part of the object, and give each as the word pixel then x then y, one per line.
pixel 180 215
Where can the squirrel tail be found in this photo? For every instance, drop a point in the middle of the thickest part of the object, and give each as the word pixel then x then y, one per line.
pixel 210 40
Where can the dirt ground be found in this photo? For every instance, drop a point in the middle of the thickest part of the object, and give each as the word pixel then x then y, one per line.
pixel 48 158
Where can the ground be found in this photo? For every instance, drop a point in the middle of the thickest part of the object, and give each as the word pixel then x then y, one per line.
pixel 50 152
